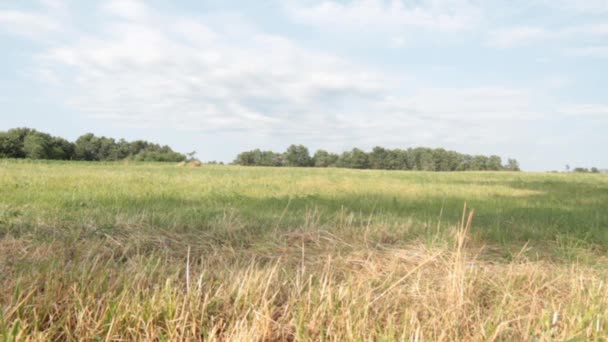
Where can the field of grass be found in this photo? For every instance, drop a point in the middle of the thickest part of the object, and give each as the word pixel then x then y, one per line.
pixel 117 251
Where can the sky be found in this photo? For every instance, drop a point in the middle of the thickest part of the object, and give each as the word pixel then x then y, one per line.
pixel 519 79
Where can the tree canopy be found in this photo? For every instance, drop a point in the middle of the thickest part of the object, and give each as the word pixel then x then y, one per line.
pixel 32 144
pixel 420 158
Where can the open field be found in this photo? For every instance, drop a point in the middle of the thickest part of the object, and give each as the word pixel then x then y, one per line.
pixel 134 251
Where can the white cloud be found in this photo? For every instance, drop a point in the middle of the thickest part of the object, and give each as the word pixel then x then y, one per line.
pixel 590 111
pixel 31 25
pixel 152 69
pixel 510 37
pixel 396 18
pixel 56 6
pixel 557 81
pixel 129 9
pixel 189 75
pixel 589 51
pixel 467 104
pixel 525 35
pixel 582 6
pixel 443 117
pixel 597 29
pixel 379 15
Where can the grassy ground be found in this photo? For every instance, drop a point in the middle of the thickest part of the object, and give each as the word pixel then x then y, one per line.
pixel 151 251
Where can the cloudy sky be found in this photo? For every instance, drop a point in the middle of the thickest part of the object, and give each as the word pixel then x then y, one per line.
pixel 520 78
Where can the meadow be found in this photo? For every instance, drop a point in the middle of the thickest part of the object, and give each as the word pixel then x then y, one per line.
pixel 151 251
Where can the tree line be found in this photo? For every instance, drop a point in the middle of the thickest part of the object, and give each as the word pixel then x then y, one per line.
pixel 32 144
pixel 420 158
pixel 586 170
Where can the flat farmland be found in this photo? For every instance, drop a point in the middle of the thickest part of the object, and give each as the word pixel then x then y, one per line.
pixel 132 251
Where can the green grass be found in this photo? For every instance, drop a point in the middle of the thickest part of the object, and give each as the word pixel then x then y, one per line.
pixel 510 207
pixel 103 250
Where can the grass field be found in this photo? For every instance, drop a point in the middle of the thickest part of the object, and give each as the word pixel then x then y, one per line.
pixel 122 251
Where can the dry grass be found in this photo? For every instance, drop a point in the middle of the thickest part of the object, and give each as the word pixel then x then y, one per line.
pixel 296 275
pixel 308 284
pixel 193 163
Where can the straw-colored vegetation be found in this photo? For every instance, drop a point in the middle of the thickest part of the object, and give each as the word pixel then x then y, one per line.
pixel 155 252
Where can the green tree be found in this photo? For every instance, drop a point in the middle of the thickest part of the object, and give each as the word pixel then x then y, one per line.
pixel 37 146
pixel 29 143
pixel 323 158
pixel 441 160
pixel 479 163
pixel 61 149
pixel 420 158
pixel 297 155
pixel 354 159
pixel 512 165
pixel 494 163
pixel 11 142
pixel 378 158
pixel 87 147
pixel 259 158
pixel 245 159
pixel 424 160
pixel 396 160
pixel 158 156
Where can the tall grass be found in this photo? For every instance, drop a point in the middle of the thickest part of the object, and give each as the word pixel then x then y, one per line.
pixel 150 252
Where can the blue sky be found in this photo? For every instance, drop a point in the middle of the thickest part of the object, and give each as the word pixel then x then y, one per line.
pixel 523 79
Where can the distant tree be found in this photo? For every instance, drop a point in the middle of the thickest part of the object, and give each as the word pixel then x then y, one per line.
pixel 37 146
pixel 5 149
pixel 420 158
pixel 92 148
pixel 595 170
pixel 29 143
pixel 512 165
pixel 479 163
pixel 107 149
pixel 11 142
pixel 259 158
pixel 440 160
pixel 137 146
pixel 396 160
pixel 494 163
pixel 378 158
pixel 297 155
pixel 423 159
pixel 245 159
pixel 323 158
pixel 454 160
pixel 580 170
pixel 61 149
pixel 87 147
pixel 158 156
pixel 276 159
pixel 465 163
pixel 354 159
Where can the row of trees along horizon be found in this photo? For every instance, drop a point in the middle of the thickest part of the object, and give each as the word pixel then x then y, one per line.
pixel 420 158
pixel 32 144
